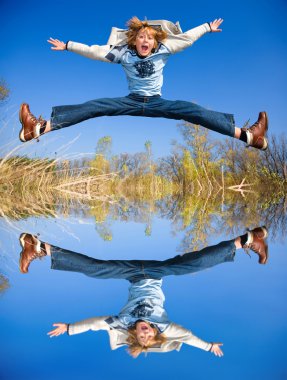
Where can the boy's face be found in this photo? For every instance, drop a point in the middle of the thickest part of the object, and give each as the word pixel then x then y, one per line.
pixel 145 42
pixel 144 332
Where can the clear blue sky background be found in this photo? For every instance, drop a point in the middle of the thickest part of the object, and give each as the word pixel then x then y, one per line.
pixel 241 70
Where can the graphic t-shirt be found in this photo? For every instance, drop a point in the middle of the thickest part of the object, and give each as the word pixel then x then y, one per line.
pixel 145 302
pixel 144 75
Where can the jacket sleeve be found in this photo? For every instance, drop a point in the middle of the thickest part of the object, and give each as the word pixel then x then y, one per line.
pixel 179 42
pixel 94 52
pixel 180 334
pixel 94 324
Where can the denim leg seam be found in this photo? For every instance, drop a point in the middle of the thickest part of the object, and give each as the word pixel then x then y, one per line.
pixel 144 274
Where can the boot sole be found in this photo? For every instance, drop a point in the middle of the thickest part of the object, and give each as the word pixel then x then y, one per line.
pixel 21 240
pixel 265 145
pixel 22 243
pixel 265 234
pixel 265 231
pixel 21 133
pixel 267 120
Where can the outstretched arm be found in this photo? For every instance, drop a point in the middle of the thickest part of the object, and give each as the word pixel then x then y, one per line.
pixel 94 52
pixel 183 335
pixel 179 42
pixel 94 324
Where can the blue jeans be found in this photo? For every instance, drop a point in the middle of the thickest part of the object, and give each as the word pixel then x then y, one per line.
pixel 148 106
pixel 136 270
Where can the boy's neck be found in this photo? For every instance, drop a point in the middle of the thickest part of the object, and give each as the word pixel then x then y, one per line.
pixel 141 56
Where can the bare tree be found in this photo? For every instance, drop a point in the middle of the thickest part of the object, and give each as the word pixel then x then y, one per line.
pixel 4 91
pixel 275 158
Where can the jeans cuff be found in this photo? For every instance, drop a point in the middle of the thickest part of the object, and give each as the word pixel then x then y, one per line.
pixel 54 252
pixel 232 124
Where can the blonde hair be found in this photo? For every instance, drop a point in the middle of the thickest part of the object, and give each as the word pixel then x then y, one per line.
pixel 135 26
pixel 135 348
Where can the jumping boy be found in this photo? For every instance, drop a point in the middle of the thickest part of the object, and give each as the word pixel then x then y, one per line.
pixel 143 323
pixel 143 51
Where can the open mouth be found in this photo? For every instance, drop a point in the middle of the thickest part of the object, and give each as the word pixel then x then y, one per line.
pixel 144 48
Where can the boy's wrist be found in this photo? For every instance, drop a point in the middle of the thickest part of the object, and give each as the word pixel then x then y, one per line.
pixel 209 27
pixel 67 45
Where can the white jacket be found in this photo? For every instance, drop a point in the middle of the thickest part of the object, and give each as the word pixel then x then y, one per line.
pixel 175 335
pixel 176 40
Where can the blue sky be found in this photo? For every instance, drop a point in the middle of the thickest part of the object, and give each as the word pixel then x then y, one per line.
pixel 241 70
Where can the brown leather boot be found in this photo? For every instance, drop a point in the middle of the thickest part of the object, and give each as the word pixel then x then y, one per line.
pixel 256 242
pixel 31 250
pixel 256 133
pixel 31 126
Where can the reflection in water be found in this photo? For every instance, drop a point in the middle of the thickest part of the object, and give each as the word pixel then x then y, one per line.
pixel 142 324
pixel 194 215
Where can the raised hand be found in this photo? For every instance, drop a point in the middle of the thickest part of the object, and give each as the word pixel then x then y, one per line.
pixel 57 45
pixel 214 25
pixel 60 329
pixel 216 350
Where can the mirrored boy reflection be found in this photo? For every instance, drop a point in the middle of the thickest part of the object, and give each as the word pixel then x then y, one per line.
pixel 142 324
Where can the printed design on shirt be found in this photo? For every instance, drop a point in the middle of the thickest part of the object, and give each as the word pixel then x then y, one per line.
pixel 114 322
pixel 115 54
pixel 142 310
pixel 144 68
